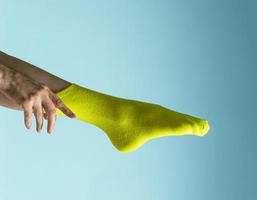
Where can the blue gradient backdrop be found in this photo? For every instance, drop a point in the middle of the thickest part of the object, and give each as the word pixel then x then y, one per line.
pixel 197 57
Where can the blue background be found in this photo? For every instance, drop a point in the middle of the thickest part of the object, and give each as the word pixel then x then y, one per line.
pixel 197 57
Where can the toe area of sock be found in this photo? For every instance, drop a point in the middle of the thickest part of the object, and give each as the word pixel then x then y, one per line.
pixel 203 128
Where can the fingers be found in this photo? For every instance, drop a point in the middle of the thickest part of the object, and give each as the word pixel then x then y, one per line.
pixel 60 105
pixel 45 116
pixel 43 104
pixel 38 112
pixel 27 115
pixel 51 122
pixel 50 115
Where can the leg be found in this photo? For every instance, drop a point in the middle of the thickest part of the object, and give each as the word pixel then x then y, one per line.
pixel 53 82
pixel 128 123
pixel 6 102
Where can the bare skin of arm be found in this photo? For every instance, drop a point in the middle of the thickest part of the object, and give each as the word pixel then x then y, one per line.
pixel 28 88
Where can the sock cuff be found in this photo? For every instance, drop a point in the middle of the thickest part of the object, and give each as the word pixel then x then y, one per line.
pixel 66 91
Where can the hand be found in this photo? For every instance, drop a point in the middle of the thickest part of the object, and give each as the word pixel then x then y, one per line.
pixel 32 97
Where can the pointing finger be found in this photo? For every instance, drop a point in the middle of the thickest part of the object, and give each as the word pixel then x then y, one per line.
pixel 61 106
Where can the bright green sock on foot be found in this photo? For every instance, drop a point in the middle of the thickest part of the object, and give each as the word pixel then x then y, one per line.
pixel 128 123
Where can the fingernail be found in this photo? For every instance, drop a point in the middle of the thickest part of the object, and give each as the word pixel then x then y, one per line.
pixel 49 131
pixel 28 126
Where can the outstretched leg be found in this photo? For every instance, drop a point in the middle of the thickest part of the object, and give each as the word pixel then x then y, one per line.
pixel 128 123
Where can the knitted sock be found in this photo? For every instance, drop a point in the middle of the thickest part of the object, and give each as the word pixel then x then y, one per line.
pixel 128 123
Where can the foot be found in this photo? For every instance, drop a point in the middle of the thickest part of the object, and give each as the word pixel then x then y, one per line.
pixel 128 123
pixel 140 122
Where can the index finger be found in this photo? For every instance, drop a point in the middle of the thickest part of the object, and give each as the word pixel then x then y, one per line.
pixel 61 106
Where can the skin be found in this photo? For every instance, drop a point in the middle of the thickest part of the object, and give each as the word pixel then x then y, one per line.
pixel 32 90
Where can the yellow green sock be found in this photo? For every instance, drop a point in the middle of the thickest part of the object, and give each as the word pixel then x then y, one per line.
pixel 128 123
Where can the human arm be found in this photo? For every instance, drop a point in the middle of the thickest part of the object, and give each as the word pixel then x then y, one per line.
pixel 31 96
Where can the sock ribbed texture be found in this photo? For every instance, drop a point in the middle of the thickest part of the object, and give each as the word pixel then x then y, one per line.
pixel 128 123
